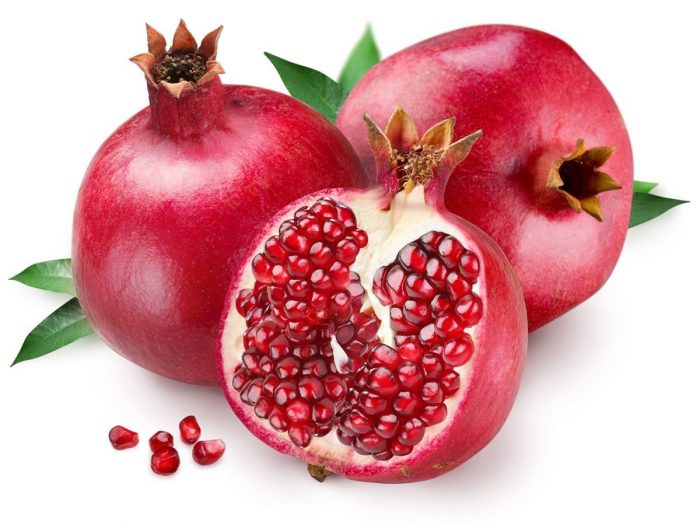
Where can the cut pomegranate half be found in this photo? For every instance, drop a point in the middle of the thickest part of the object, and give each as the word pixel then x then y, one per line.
pixel 373 333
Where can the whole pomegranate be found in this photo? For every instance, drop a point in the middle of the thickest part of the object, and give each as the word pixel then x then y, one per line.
pixel 540 107
pixel 402 383
pixel 173 199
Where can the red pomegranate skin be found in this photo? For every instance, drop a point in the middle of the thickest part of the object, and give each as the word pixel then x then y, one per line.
pixel 170 204
pixel 533 97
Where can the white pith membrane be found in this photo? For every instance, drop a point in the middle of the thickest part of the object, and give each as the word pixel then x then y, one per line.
pixel 408 218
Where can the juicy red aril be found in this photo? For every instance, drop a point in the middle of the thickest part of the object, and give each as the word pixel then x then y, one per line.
pixel 381 398
pixel 160 439
pixel 208 452
pixel 121 437
pixel 189 430
pixel 165 461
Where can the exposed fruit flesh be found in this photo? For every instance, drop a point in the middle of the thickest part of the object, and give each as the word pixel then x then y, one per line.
pixel 165 461
pixel 306 300
pixel 160 439
pixel 208 452
pixel 190 430
pixel 122 437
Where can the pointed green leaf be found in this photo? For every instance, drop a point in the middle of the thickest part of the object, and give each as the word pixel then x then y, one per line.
pixel 363 56
pixel 646 207
pixel 644 187
pixel 54 276
pixel 312 87
pixel 62 327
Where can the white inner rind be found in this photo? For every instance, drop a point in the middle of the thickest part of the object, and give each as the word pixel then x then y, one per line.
pixel 388 231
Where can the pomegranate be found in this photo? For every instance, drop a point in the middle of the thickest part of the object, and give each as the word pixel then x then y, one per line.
pixel 121 437
pixel 165 461
pixel 190 430
pixel 160 439
pixel 208 452
pixel 399 384
pixel 172 199
pixel 540 107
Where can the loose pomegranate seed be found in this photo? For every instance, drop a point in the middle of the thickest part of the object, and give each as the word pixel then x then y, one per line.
pixel 208 452
pixel 165 461
pixel 160 439
pixel 121 437
pixel 381 398
pixel 189 430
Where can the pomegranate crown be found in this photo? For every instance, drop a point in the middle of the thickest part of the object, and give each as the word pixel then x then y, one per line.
pixel 404 159
pixel 182 67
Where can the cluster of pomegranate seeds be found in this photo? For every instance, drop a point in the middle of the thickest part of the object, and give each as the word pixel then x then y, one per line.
pixel 121 437
pixel 304 289
pixel 165 459
pixel 399 392
pixel 382 399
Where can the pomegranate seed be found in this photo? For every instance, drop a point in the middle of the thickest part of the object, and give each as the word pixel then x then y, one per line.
pixel 339 274
pixel 383 355
pixel 299 289
pixel 411 433
pixel 429 335
pixel 372 442
pixel 165 461
pixel 323 412
pixel 335 387
pixel 379 286
pixel 469 309
pixel 346 215
pixel 300 435
pixel 431 393
pixel 383 456
pixel 316 367
pixel 358 422
pixel 418 287
pixel 410 375
pixel 410 351
pixel 321 255
pixel 298 266
pixel 382 382
pixel 121 437
pixel 450 251
pixel 262 269
pixel 431 241
pixel 295 241
pixel 240 377
pixel 399 449
pixel 208 452
pixel 449 382
pixel 253 392
pixel 324 209
pixel 399 323
pixel 458 351
pixel 245 301
pixel 387 425
pixel 322 430
pixel 310 227
pixel 277 420
pixel 360 237
pixel 440 304
pixel 447 325
pixel 457 286
pixel 310 388
pixel 346 251
pixel 263 407
pixel 366 327
pixel 344 438
pixel 412 258
pixel 298 411
pixel 372 404
pixel 333 231
pixel 406 404
pixel 285 392
pixel 394 280
pixel 432 366
pixel 469 266
pixel 434 414
pixel 321 280
pixel 436 272
pixel 160 439
pixel 417 312
pixel 189 430
pixel 274 250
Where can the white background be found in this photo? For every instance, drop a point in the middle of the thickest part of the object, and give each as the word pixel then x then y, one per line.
pixel 605 429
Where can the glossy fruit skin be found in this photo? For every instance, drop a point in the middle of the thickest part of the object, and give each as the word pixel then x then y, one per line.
pixel 165 461
pixel 159 440
pixel 533 97
pixel 208 452
pixel 493 383
pixel 121 437
pixel 170 203
pixel 189 430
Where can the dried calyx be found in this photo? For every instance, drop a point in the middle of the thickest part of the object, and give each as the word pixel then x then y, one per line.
pixel 579 179
pixel 185 65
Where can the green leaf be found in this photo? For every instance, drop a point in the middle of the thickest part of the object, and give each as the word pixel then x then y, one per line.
pixel 62 327
pixel 312 87
pixel 363 56
pixel 54 276
pixel 644 187
pixel 646 207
